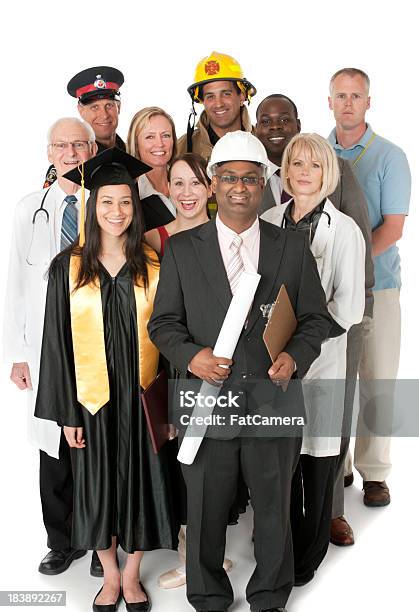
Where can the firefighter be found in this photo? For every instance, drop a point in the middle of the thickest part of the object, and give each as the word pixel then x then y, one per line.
pixel 220 86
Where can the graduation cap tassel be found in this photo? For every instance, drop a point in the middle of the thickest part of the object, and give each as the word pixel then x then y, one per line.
pixel 82 238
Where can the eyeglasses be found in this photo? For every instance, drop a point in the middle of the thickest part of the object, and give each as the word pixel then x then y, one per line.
pixel 78 145
pixel 231 179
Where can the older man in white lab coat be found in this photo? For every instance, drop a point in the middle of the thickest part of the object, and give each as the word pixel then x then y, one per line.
pixel 45 223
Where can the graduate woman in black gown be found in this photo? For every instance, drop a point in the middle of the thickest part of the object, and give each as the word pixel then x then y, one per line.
pixel 96 355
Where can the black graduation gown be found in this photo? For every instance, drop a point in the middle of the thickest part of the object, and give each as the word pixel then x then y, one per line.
pixel 120 486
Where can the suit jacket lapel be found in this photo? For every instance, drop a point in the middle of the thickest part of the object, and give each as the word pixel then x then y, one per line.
pixel 270 255
pixel 208 254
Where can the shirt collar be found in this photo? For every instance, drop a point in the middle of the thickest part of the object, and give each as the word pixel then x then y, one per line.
pixel 362 142
pixel 61 194
pixel 275 177
pixel 146 188
pixel 247 235
pixel 366 137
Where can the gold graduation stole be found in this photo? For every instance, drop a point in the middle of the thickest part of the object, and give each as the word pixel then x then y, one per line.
pixel 92 378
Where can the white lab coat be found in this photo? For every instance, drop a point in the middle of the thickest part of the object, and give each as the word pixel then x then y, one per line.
pixel 26 295
pixel 339 251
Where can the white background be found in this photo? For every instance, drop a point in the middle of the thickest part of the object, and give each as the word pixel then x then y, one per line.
pixel 283 48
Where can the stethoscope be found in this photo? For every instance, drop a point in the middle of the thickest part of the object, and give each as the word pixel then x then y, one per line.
pixel 312 220
pixel 44 213
pixel 41 209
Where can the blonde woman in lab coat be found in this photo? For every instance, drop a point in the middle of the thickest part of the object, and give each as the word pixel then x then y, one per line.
pixel 310 173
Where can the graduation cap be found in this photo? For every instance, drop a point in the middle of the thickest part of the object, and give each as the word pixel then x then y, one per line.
pixel 111 167
pixel 95 83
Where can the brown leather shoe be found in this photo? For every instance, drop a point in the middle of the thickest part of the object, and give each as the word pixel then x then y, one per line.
pixel 348 480
pixel 341 533
pixel 376 493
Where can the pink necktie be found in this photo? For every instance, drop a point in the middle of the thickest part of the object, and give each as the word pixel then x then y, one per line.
pixel 236 265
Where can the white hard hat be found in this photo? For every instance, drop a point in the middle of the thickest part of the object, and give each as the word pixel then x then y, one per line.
pixel 240 146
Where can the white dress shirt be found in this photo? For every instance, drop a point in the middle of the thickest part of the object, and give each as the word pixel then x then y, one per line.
pixel 276 188
pixel 249 249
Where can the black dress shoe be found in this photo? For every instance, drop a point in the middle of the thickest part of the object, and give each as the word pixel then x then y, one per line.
pixel 348 480
pixel 139 606
pixel 57 561
pixel 96 568
pixel 376 493
pixel 106 607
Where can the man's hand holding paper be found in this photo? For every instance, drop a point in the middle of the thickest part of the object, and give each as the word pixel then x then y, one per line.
pixel 212 369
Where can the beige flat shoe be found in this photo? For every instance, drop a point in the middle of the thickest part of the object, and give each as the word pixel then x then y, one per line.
pixel 177 577
pixel 173 578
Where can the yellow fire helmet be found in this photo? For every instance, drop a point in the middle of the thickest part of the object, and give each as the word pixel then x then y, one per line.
pixel 219 67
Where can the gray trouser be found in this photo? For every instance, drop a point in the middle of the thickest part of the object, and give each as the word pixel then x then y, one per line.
pixel 353 354
pixel 211 480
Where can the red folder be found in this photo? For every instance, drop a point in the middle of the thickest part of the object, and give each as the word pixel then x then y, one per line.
pixel 155 402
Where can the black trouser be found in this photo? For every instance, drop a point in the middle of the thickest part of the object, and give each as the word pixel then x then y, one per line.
pixel 311 509
pixel 56 489
pixel 267 466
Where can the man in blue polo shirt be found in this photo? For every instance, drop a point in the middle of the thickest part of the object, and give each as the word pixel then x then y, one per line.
pixel 383 173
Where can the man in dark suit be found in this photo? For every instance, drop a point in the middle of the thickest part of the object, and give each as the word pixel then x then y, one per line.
pixel 277 123
pixel 194 292
pixel 195 289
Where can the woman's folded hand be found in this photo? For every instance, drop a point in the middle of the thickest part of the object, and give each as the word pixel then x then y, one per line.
pixel 74 437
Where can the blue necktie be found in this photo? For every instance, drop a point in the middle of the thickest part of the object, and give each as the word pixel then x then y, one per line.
pixel 69 223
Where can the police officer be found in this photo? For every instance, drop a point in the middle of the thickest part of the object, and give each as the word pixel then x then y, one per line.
pixel 97 91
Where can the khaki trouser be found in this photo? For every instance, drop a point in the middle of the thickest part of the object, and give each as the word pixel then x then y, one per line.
pixel 379 361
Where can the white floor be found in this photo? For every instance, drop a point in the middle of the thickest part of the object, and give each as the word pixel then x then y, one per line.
pixel 378 574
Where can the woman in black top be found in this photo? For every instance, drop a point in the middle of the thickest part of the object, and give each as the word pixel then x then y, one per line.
pixel 152 139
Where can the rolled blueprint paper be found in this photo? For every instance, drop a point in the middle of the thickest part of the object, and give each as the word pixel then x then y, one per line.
pixel 225 346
